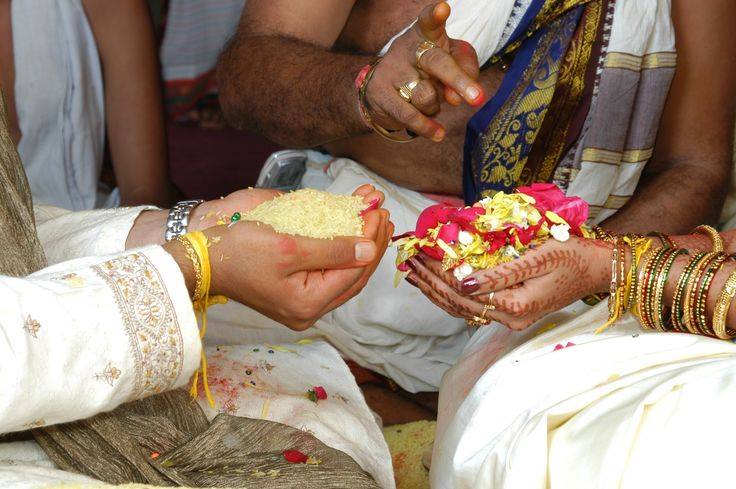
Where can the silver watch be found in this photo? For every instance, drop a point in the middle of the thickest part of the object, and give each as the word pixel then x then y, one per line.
pixel 178 220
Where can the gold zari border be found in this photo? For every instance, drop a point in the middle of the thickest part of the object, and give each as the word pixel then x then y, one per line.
pixel 633 62
pixel 596 155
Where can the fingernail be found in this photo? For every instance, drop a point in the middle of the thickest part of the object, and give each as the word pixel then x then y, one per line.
pixel 365 251
pixel 412 280
pixel 472 93
pixel 412 264
pixel 419 258
pixel 373 205
pixel 470 285
pixel 438 135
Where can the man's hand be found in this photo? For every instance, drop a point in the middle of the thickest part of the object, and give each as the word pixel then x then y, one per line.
pixel 449 71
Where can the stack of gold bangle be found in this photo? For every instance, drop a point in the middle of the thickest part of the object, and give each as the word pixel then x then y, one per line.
pixel 641 288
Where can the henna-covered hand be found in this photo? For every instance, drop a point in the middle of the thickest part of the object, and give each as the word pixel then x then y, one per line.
pixel 543 280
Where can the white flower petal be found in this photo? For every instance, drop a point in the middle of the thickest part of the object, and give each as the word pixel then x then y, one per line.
pixel 462 272
pixel 465 238
pixel 560 232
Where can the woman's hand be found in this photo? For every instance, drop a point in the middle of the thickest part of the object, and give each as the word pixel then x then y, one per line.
pixel 542 281
pixel 449 71
pixel 296 280
pixel 150 226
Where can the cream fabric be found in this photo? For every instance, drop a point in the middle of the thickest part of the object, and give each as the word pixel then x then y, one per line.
pixel 59 96
pixel 486 25
pixel 84 336
pixel 573 409
pixel 67 235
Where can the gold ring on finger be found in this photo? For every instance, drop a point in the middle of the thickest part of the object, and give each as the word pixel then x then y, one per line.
pixel 406 90
pixel 424 46
pixel 476 321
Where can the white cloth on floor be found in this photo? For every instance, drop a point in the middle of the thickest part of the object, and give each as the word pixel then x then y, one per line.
pixel 271 381
pixel 59 97
pixel 573 409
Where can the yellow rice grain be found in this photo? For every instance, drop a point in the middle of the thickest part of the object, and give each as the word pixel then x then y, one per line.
pixel 311 213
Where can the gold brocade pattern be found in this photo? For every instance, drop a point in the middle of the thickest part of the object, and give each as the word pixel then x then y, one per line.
pixel 150 322
pixel 519 120
pixel 568 94
pixel 550 11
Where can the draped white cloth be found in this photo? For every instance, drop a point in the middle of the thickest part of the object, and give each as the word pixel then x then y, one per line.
pixel 624 409
pixel 102 326
pixel 59 97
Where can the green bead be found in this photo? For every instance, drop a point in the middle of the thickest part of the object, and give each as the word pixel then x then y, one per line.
pixel 235 217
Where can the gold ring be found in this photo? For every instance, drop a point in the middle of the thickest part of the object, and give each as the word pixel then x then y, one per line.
pixel 491 306
pixel 422 49
pixel 406 90
pixel 476 321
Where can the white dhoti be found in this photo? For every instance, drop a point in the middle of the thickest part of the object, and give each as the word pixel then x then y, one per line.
pixel 571 409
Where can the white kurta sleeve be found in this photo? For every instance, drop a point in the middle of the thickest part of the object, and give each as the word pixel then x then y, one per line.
pixel 66 235
pixel 84 336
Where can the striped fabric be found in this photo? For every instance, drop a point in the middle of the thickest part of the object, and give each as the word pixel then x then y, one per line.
pixel 196 32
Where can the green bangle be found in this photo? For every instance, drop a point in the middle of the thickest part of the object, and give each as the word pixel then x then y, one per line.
pixel 677 312
pixel 659 318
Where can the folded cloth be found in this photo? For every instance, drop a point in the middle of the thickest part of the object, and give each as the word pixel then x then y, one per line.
pixel 574 409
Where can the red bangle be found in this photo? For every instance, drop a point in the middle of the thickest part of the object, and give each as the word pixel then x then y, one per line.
pixel 360 79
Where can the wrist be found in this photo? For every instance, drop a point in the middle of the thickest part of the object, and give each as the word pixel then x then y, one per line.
pixel 603 254
pixel 178 253
pixel 148 229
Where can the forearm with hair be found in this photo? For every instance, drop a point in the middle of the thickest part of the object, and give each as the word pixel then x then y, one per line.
pixel 674 200
pixel 295 93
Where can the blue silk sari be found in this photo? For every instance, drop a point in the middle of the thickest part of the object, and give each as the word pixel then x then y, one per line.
pixel 501 135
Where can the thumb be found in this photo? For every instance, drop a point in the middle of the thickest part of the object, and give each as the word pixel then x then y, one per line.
pixel 432 21
pixel 334 254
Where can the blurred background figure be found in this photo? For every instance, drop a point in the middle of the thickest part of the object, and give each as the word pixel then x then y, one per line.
pixel 83 82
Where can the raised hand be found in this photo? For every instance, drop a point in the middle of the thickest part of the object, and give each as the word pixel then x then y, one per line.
pixel 296 280
pixel 448 71
pixel 543 280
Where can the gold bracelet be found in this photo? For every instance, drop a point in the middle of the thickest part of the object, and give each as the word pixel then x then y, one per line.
pixel 691 290
pixel 196 265
pixel 723 305
pixel 711 232
pixel 393 136
pixel 666 240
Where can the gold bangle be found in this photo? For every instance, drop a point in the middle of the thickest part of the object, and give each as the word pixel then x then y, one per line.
pixel 691 290
pixel 723 305
pixel 711 232
pixel 196 265
pixel 393 136
pixel 666 240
